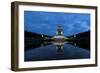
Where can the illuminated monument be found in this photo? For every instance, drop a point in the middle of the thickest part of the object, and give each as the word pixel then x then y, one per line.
pixel 59 37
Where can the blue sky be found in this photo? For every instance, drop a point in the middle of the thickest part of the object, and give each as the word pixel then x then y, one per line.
pixel 46 22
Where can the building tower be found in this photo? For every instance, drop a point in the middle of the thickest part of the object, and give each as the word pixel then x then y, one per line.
pixel 59 34
pixel 59 31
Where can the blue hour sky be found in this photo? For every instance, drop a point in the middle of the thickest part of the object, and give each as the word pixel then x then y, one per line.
pixel 46 22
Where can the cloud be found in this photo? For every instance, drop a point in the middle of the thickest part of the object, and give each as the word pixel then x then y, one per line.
pixel 46 22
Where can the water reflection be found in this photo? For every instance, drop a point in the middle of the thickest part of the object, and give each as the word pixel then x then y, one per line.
pixel 56 51
pixel 59 49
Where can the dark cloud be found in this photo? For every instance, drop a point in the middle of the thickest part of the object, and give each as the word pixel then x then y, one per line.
pixel 46 22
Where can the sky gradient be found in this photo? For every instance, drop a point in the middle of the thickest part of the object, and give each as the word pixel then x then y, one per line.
pixel 46 22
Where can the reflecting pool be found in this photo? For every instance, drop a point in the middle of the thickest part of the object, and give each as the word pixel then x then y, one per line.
pixel 55 51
